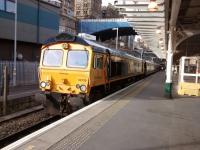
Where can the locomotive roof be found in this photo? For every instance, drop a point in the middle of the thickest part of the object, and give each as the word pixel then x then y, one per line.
pixel 65 37
pixel 103 49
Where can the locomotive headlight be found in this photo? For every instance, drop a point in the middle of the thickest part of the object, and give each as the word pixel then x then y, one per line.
pixel 43 84
pixel 83 88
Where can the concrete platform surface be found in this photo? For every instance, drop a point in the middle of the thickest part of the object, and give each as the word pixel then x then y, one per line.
pixel 138 118
pixel 151 122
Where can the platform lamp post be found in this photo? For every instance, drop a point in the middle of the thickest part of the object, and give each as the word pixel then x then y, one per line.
pixel 117 30
pixel 153 6
pixel 15 47
pixel 168 83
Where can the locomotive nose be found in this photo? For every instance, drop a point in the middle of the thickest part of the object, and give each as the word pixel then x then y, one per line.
pixel 64 81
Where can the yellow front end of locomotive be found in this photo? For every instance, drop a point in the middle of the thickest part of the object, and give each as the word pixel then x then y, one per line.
pixel 64 68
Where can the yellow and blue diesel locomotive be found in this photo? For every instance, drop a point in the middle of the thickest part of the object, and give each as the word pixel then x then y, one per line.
pixel 72 66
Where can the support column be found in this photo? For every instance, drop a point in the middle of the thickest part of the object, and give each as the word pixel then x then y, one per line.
pixel 129 42
pixel 168 82
pixel 133 42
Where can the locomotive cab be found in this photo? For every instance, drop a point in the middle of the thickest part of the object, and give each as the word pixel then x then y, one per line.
pixel 64 72
pixel 64 68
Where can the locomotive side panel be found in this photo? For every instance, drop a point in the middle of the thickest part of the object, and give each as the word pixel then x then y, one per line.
pixel 122 67
pixel 98 70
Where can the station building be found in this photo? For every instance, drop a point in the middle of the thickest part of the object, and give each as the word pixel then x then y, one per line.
pixel 67 17
pixel 36 21
pixel 88 9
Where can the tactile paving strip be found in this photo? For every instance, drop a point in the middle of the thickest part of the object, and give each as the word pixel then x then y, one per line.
pixel 74 140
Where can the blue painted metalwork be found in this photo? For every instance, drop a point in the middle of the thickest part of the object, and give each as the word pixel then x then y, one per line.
pixel 91 26
pixel 28 14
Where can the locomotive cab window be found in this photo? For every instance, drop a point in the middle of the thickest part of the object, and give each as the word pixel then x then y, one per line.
pixel 77 59
pixel 98 62
pixel 53 57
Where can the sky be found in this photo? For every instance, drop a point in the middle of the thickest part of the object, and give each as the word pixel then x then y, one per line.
pixel 105 2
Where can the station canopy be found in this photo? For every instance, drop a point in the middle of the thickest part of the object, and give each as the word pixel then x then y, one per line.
pixel 150 25
pixel 103 28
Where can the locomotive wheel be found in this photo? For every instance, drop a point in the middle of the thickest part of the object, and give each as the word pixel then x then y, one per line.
pixel 86 100
pixel 65 106
pixel 89 99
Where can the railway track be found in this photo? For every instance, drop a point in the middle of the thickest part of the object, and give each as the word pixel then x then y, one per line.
pixel 17 135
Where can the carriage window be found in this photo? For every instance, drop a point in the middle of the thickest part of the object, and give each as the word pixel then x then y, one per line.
pixel 53 58
pixel 77 59
pixel 98 62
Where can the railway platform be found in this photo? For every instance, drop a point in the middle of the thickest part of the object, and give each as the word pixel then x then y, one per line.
pixel 135 118
pixel 22 91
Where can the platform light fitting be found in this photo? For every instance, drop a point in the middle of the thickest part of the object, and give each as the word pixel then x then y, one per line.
pixel 153 6
pixel 158 31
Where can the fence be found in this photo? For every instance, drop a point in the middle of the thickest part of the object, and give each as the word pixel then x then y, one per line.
pixel 27 72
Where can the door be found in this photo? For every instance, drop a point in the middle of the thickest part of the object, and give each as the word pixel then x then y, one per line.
pixel 107 70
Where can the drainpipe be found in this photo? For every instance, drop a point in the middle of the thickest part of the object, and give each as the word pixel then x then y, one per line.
pixel 38 21
pixel 15 48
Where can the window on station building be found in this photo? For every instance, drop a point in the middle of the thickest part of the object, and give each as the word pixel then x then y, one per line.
pixel 78 6
pixel 10 6
pixel 85 5
pixel 2 4
pixel 85 12
pixel 77 12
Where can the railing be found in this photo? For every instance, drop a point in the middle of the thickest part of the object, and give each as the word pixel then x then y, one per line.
pixel 26 72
